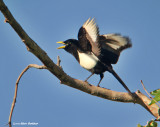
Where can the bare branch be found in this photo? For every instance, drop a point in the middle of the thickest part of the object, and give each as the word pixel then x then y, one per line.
pixel 16 87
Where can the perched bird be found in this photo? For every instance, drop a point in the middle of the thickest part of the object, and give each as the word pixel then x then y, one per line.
pixel 96 52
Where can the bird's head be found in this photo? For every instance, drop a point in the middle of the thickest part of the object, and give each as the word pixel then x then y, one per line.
pixel 68 45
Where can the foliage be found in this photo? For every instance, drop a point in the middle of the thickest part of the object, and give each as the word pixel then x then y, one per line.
pixel 151 123
pixel 155 93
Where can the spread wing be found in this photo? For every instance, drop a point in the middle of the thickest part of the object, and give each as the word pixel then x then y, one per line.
pixel 88 37
pixel 115 42
pixel 112 45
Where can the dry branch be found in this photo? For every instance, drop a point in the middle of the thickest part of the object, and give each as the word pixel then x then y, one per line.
pixel 16 87
pixel 67 80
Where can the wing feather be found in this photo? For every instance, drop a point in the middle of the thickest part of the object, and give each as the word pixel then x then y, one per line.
pixel 112 45
pixel 116 42
pixel 92 29
pixel 88 36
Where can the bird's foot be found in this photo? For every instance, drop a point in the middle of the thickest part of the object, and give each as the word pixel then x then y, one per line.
pixel 98 85
pixel 86 81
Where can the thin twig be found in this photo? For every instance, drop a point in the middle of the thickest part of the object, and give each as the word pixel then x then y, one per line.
pixel 16 87
pixel 58 61
pixel 149 93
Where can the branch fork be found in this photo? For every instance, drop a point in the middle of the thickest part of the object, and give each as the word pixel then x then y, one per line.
pixel 16 87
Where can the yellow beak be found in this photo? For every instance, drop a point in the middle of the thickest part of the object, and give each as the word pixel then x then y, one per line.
pixel 61 47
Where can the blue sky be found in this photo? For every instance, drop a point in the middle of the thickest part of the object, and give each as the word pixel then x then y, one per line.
pixel 41 97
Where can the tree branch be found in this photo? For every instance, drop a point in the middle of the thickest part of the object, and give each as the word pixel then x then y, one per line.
pixel 16 87
pixel 69 81
pixel 56 69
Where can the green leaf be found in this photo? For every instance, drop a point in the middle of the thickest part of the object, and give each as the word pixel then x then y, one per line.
pixel 152 123
pixel 157 98
pixel 155 93
pixel 139 125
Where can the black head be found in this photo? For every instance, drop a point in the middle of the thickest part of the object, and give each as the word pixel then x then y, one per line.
pixel 69 45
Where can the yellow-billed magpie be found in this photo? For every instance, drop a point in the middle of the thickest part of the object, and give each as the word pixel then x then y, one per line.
pixel 96 52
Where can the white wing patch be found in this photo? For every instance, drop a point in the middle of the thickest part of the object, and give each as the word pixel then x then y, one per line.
pixel 113 46
pixel 92 29
pixel 87 61
pixel 118 41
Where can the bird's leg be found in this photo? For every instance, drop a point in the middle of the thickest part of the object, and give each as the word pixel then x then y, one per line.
pixel 89 77
pixel 101 77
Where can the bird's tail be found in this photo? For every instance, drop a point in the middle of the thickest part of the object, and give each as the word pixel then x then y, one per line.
pixel 110 69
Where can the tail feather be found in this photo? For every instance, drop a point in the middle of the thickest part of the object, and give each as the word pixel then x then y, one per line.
pixel 110 69
pixel 120 80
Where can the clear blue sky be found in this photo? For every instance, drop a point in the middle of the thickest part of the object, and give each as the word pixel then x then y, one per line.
pixel 41 98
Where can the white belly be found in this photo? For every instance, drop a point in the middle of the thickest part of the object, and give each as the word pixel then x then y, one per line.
pixel 87 61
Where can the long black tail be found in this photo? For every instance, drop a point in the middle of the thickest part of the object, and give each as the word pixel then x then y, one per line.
pixel 110 69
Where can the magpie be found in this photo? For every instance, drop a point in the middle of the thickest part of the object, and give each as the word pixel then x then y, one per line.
pixel 96 53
